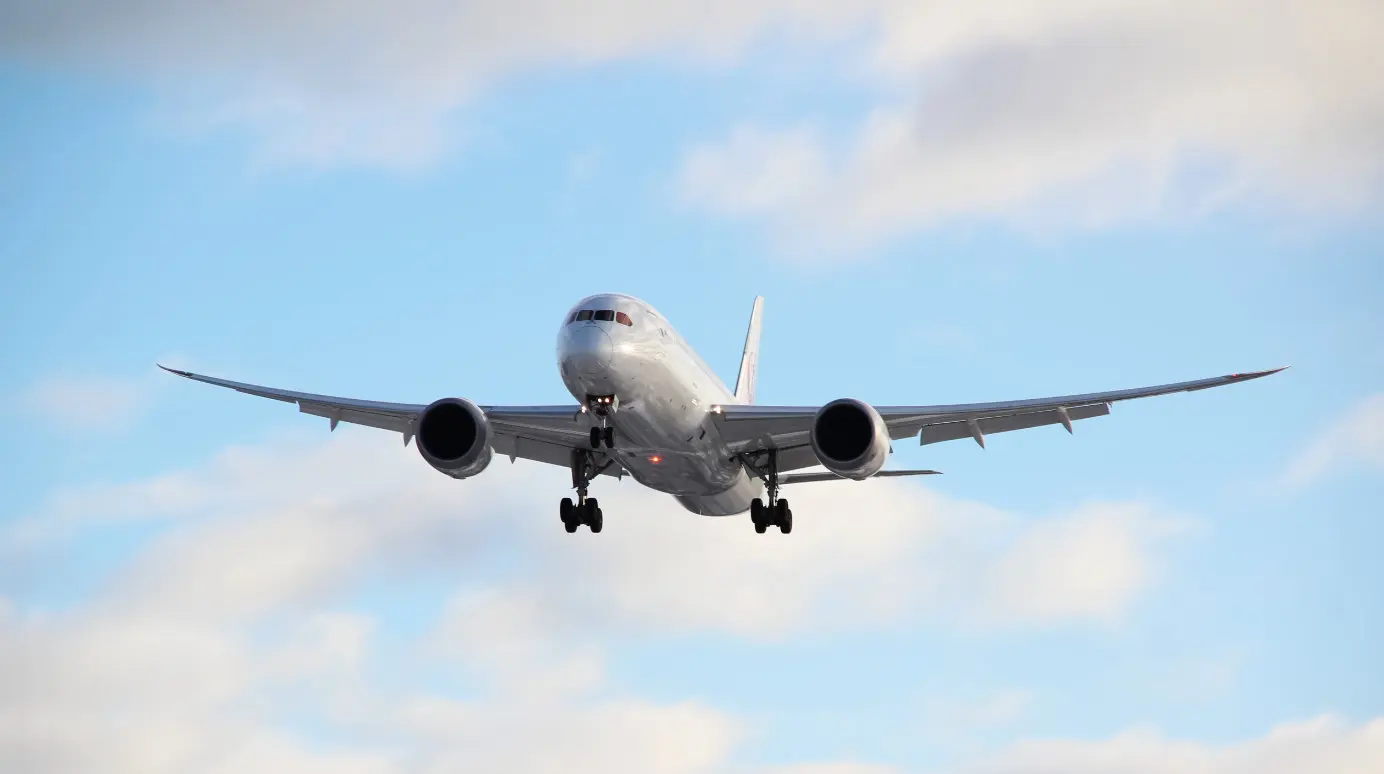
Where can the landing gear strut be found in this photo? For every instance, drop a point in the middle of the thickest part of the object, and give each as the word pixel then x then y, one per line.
pixel 585 510
pixel 776 512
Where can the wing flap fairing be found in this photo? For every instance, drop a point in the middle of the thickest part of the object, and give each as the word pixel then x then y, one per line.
pixel 951 431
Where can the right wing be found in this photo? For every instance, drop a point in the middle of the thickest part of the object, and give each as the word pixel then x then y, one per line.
pixel 539 433
pixel 807 478
pixel 752 430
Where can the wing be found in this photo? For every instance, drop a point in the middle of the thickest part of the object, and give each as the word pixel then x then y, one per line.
pixel 540 433
pixel 748 429
pixel 808 478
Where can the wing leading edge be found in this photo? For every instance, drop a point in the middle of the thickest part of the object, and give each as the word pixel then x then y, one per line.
pixel 540 433
pixel 786 428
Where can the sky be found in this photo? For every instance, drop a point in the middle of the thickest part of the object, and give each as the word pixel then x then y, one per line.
pixel 941 202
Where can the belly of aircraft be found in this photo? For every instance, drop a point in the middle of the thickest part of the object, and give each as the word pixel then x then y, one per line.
pixel 667 447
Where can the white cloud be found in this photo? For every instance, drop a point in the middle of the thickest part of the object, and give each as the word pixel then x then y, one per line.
pixel 1356 439
pixel 1077 114
pixel 222 646
pixel 325 82
pixel 1320 745
pixel 257 529
pixel 1076 111
pixel 85 403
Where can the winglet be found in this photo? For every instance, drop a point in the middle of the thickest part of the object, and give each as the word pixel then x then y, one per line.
pixel 173 370
pixel 749 360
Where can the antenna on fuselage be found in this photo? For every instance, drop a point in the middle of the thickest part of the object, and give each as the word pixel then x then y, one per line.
pixel 749 360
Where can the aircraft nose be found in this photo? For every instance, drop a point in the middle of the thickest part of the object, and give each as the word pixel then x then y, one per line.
pixel 590 349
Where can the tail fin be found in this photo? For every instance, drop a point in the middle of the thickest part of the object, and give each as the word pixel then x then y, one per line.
pixel 749 361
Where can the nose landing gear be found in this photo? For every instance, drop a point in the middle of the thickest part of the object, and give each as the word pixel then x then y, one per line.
pixel 602 406
pixel 604 434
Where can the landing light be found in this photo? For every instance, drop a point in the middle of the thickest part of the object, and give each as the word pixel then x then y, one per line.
pixel 655 459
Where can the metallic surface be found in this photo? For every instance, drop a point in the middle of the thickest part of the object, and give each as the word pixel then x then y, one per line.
pixel 677 428
pixel 869 461
pixel 665 437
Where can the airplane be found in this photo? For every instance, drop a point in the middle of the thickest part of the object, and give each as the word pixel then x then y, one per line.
pixel 647 406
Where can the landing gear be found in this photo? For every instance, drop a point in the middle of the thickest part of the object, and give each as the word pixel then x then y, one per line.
pixel 776 515
pixel 602 406
pixel 588 513
pixel 585 510
pixel 604 435
pixel 776 512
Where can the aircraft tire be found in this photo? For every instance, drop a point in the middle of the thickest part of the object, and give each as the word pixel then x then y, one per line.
pixel 759 515
pixel 595 519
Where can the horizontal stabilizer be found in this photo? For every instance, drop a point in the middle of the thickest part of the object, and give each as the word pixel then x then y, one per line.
pixel 807 478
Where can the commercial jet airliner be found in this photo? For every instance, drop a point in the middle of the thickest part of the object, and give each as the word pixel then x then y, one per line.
pixel 648 406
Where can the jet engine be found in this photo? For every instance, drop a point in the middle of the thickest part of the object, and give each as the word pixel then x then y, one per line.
pixel 454 437
pixel 850 439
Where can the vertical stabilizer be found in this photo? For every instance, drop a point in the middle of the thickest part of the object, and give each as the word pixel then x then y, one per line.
pixel 749 361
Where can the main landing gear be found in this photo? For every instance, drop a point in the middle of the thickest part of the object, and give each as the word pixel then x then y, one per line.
pixel 585 510
pixel 776 512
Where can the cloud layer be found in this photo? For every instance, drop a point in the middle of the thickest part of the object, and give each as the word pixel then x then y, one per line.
pixel 235 641
pixel 234 624
pixel 1076 114
pixel 1068 112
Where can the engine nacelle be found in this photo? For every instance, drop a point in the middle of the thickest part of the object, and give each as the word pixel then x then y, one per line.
pixel 454 437
pixel 850 438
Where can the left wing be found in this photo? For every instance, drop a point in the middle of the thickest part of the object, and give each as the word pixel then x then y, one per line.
pixel 540 433
pixel 750 429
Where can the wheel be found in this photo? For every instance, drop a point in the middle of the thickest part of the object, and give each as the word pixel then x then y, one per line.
pixel 570 526
pixel 757 515
pixel 596 521
pixel 590 510
pixel 564 509
pixel 783 516
pixel 595 437
pixel 609 434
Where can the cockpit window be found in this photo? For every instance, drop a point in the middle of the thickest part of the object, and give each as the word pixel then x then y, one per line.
pixel 605 315
pixel 584 314
pixel 623 318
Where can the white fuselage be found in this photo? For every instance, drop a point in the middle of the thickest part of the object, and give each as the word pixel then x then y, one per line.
pixel 665 435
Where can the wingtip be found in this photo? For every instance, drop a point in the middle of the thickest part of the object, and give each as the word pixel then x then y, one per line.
pixel 1240 377
pixel 173 370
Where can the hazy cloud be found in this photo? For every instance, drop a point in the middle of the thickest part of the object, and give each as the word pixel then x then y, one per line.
pixel 217 641
pixel 1322 744
pixel 1356 439
pixel 86 403
pixel 1074 114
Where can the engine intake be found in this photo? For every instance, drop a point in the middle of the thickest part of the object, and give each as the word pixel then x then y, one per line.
pixel 454 437
pixel 850 438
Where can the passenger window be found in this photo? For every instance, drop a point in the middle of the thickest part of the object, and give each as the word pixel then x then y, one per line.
pixel 584 314
pixel 605 315
pixel 623 319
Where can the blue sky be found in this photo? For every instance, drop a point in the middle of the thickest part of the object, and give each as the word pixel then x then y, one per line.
pixel 940 205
